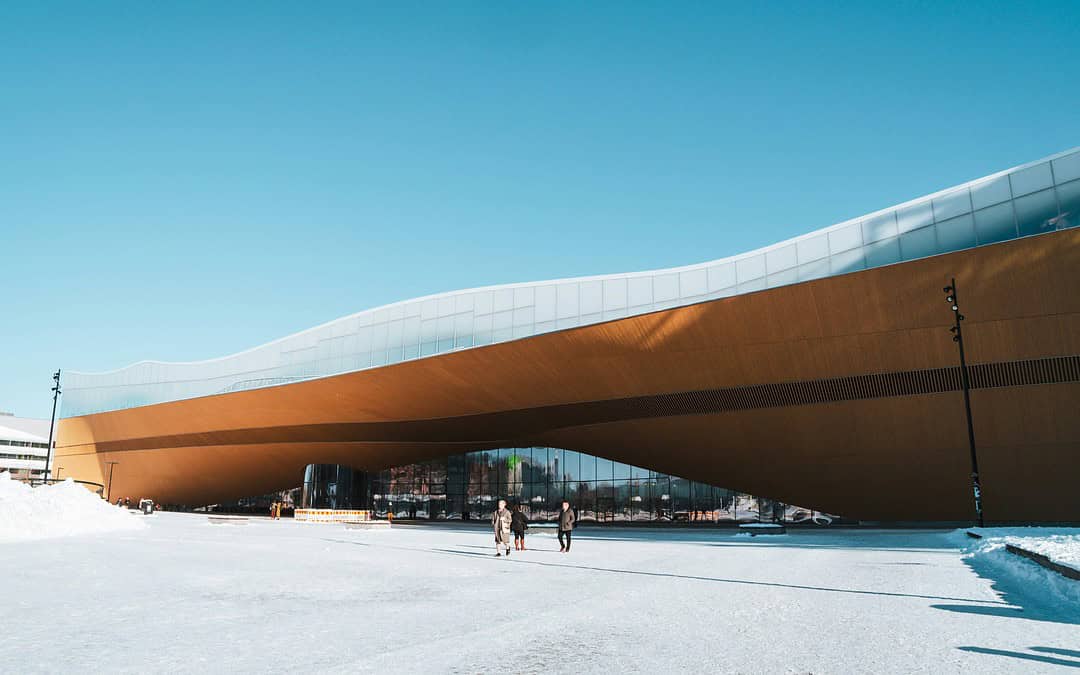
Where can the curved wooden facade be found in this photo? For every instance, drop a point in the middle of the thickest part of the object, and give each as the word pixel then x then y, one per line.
pixel 840 394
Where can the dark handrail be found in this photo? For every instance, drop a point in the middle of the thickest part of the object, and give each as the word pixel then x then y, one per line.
pixel 33 482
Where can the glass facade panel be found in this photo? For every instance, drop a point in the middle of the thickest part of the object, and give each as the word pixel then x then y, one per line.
pixel 848 261
pixel 812 248
pixel 956 233
pixel 914 217
pixel 952 205
pixel 918 244
pixel 884 252
pixel 780 259
pixel 747 269
pixel 605 469
pixel 639 291
pixel 1031 179
pixel 995 224
pixel 615 296
pixel 990 192
pixel 882 226
pixel 814 270
pixel 1069 201
pixel 721 276
pixel 1067 168
pixel 693 283
pixel 1036 213
pixel 843 239
pixel 665 287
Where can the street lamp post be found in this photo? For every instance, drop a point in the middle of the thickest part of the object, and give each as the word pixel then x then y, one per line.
pixel 952 298
pixel 108 490
pixel 52 421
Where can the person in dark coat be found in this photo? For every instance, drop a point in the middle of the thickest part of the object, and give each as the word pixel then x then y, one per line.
pixel 518 524
pixel 566 526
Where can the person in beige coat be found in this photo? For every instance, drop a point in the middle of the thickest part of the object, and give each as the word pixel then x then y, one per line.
pixel 500 521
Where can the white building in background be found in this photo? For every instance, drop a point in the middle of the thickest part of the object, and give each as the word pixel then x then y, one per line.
pixel 24 442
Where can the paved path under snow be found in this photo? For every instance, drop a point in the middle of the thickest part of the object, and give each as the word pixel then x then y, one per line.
pixel 185 595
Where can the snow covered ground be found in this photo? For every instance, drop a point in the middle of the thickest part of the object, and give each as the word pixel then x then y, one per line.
pixel 184 595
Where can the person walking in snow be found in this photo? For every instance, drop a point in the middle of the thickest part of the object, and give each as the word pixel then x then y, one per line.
pixel 500 521
pixel 518 524
pixel 566 526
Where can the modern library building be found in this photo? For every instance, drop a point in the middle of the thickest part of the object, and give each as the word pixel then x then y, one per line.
pixel 819 372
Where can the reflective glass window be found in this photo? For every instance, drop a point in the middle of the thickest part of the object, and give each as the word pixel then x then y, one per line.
pixel 750 268
pixel 752 285
pixel 995 224
pixel 951 205
pixel 665 287
pixel 591 297
pixel 639 291
pixel 605 469
pixel 446 333
pixel 1036 213
pixel 1069 199
pixel 956 233
pixel 843 239
pixel 524 296
pixel 462 326
pixel 1067 168
pixel 848 261
pixel 915 216
pixel 1031 179
pixel 464 302
pixel 429 330
pixel 881 226
pixel 484 303
pixel 545 303
pixel 567 300
pixel 721 276
pixel 988 193
pixel 883 252
pixel 588 467
pixel 814 270
pixel 446 305
pixel 692 283
pixel 411 334
pixel 622 471
pixel 614 293
pixel 779 259
pixel 812 248
pixel 918 244
pixel 483 326
pixel 783 278
pixel 504 299
pixel 523 316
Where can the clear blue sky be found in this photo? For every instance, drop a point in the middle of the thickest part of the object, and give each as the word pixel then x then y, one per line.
pixel 180 181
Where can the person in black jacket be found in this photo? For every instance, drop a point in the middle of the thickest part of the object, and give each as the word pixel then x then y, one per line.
pixel 518 524
pixel 566 526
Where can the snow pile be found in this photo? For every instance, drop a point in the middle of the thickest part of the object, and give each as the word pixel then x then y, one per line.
pixel 1063 549
pixel 58 510
pixel 1061 545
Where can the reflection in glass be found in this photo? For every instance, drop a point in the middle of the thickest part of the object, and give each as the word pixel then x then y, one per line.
pixel 1069 199
pixel 995 224
pixel 1036 213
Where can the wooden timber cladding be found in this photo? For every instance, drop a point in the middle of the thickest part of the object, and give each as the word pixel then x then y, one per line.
pixel 512 423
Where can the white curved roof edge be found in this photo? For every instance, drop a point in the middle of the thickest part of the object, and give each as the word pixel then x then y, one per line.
pixel 600 277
